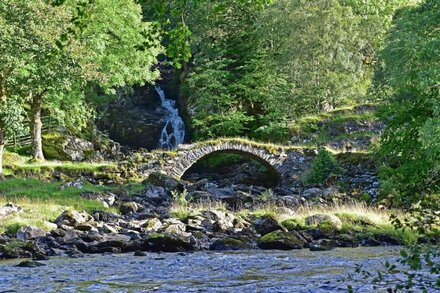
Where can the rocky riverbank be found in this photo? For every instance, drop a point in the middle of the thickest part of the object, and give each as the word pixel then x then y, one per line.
pixel 177 216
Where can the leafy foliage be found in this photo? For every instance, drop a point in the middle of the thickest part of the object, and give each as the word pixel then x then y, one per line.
pixel 410 144
pixel 323 165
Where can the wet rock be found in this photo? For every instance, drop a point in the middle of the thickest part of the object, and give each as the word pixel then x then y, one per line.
pixel 30 232
pixel 230 244
pixel 347 240
pixel 30 264
pixel 280 240
pixel 320 219
pixel 16 249
pixel 72 218
pixel 266 224
pixel 170 242
pixel 139 253
pixel 388 239
pixel 39 256
pixel 323 244
pixel 9 209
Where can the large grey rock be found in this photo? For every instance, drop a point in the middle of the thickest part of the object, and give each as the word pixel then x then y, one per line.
pixel 173 226
pixel 155 192
pixel 171 242
pixel 266 224
pixel 218 220
pixel 72 218
pixel 30 232
pixel 281 240
pixel 60 146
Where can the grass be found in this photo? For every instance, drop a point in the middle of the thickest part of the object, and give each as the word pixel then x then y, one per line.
pixel 44 201
pixel 23 165
pixel 316 128
pixel 183 211
pixel 357 218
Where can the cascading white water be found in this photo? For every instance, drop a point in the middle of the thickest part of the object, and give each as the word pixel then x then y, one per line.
pixel 170 138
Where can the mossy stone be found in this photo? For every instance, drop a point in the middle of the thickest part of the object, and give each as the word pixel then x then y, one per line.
pixel 280 240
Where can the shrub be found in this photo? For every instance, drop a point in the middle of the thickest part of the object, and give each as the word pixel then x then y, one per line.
pixel 324 165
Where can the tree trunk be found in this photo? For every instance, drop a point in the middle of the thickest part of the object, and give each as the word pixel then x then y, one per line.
pixel 3 95
pixel 2 147
pixel 37 145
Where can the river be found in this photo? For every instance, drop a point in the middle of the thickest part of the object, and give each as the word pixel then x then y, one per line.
pixel 242 271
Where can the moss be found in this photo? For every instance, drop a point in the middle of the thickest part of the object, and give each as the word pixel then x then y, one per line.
pixel 52 146
pixel 326 227
pixel 12 159
pixel 292 224
pixel 280 240
pixel 12 229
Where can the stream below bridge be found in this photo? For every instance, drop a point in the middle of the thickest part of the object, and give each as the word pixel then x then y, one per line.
pixel 240 271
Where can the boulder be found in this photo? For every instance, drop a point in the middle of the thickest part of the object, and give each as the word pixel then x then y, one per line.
pixel 30 264
pixel 173 226
pixel 63 147
pixel 30 232
pixel 167 182
pixel 324 219
pixel 16 249
pixel 230 244
pixel 72 218
pixel 323 244
pixel 152 191
pixel 217 220
pixel 347 240
pixel 266 224
pixel 281 240
pixel 152 225
pixel 170 242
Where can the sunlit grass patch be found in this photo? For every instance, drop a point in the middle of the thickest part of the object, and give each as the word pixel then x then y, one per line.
pixel 44 201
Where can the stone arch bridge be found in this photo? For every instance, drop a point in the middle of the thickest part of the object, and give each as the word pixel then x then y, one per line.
pixel 286 163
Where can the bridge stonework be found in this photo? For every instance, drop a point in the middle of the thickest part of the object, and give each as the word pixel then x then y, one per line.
pixel 286 163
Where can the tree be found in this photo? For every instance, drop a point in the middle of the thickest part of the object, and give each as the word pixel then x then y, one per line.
pixel 19 46
pixel 410 144
pixel 80 44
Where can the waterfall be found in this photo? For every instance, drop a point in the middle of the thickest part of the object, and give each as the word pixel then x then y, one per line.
pixel 170 138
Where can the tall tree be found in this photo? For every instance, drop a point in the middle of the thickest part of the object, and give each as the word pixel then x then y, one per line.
pixel 81 43
pixel 410 143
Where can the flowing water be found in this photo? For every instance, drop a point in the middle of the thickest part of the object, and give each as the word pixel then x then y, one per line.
pixel 242 271
pixel 173 132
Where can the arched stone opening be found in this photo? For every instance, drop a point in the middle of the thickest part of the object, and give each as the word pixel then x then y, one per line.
pixel 269 177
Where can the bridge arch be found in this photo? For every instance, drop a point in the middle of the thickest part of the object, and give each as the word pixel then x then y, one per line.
pixel 271 159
